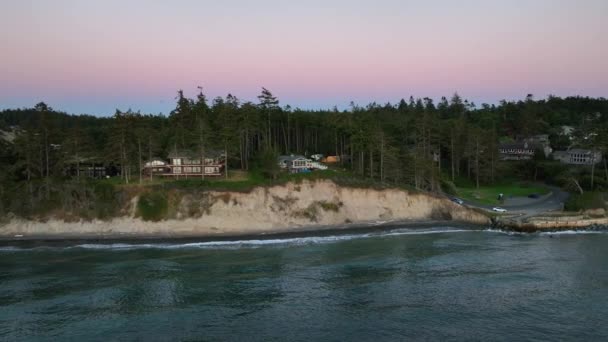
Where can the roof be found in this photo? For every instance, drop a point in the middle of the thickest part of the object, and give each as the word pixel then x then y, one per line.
pixel 8 136
pixel 579 151
pixel 520 146
pixel 515 145
pixel 291 157
pixel 83 159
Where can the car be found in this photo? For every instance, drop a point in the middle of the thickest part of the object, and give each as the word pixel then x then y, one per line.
pixel 499 210
pixel 457 200
pixel 533 196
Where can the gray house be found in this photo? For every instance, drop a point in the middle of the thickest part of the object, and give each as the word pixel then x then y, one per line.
pixel 294 163
pixel 578 156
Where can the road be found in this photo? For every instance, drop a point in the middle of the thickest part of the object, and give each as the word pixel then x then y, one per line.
pixel 523 207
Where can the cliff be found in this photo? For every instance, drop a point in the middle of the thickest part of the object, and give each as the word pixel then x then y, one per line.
pixel 290 207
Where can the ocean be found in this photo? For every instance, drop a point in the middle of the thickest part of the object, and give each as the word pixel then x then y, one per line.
pixel 429 283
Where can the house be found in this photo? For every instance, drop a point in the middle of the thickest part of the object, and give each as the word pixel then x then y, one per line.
pixel 187 164
pixel 331 159
pixel 578 156
pixel 299 163
pixel 294 163
pixel 283 161
pixel 156 166
pixel 86 167
pixel 542 139
pixel 525 148
pixel 517 151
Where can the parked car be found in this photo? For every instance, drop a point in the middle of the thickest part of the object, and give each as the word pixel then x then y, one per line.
pixel 499 210
pixel 457 200
pixel 533 196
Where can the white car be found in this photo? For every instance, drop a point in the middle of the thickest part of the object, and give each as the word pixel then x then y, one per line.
pixel 499 210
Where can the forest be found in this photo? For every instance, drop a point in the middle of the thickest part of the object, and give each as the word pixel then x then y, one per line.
pixel 426 145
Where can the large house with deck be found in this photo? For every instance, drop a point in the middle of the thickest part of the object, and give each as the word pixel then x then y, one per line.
pixel 184 163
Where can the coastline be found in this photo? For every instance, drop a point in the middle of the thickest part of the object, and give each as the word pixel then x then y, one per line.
pixel 541 224
pixel 290 208
pixel 292 232
pixel 307 207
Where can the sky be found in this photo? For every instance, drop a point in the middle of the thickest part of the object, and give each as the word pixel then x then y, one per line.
pixel 86 56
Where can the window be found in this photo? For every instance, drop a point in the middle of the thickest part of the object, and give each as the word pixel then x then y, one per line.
pixel 177 161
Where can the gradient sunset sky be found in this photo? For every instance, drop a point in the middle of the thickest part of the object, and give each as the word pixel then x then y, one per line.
pixel 84 56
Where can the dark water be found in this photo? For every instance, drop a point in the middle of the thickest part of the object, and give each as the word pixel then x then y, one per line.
pixel 435 284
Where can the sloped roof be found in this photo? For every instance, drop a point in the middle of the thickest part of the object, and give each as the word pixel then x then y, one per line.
pixel 291 157
pixel 520 146
pixel 579 151
pixel 156 159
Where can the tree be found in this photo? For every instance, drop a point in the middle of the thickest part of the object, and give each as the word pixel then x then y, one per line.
pixel 201 110
pixel 268 104
pixel 267 163
pixel 183 118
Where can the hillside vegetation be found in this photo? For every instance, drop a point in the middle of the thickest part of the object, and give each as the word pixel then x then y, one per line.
pixel 414 144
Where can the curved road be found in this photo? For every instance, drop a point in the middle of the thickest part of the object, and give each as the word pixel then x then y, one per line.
pixel 524 207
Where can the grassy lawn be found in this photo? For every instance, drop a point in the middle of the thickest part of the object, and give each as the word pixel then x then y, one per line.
pixel 246 180
pixel 489 194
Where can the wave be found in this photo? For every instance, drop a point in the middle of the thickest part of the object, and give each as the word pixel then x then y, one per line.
pixel 253 243
pixel 293 241
pixel 307 240
pixel 574 232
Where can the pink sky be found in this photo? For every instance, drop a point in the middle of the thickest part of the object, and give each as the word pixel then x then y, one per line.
pixel 95 56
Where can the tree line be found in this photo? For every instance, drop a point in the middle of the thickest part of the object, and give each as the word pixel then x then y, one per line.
pixel 415 141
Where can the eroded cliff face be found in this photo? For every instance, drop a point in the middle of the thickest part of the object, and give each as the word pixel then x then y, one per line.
pixel 265 210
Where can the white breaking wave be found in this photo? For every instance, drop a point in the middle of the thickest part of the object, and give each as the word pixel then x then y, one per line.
pixel 574 232
pixel 234 244
pixel 295 241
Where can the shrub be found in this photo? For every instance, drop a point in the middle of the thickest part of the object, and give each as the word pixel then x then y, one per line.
pixel 267 164
pixel 310 213
pixel 599 183
pixel 448 187
pixel 106 200
pixel 330 206
pixel 588 200
pixel 152 206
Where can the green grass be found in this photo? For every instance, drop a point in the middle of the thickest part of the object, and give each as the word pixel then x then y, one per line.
pixel 489 194
pixel 244 181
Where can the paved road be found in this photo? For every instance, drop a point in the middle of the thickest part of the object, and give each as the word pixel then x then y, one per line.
pixel 554 201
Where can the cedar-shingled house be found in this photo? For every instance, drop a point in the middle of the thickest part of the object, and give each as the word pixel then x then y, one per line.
pixel 525 148
pixel 184 163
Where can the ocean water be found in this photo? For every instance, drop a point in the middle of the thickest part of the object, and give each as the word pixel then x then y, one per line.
pixel 432 283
